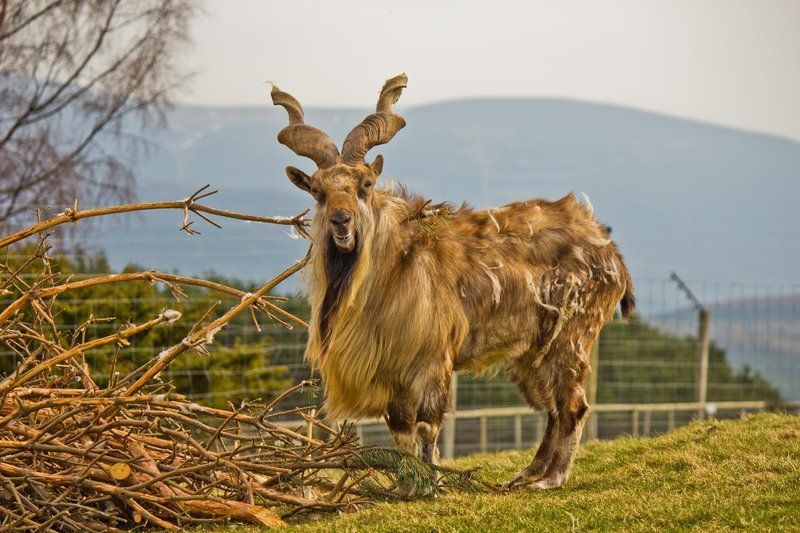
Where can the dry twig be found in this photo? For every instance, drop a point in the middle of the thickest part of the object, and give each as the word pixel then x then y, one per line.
pixel 187 205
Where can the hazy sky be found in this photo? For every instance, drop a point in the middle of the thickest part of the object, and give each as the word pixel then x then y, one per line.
pixel 730 62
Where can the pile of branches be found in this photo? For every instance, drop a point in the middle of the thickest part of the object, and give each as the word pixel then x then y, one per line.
pixel 76 455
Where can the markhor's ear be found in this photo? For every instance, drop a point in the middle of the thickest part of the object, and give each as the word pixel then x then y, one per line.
pixel 300 179
pixel 377 165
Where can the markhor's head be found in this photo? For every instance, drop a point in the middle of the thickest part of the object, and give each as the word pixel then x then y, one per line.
pixel 341 180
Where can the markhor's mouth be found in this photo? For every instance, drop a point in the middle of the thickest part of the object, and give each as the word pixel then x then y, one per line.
pixel 342 240
pixel 346 243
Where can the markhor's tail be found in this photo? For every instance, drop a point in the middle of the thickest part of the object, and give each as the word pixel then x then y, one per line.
pixel 628 302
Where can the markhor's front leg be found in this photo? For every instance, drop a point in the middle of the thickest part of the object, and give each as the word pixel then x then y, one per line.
pixel 401 417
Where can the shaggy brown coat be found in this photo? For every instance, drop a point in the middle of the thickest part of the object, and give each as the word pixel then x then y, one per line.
pixel 404 293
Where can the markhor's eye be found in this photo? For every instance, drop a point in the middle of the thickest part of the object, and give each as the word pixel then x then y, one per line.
pixel 367 185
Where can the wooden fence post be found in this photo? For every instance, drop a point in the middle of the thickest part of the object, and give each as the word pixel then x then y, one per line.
pixel 635 423
pixel 449 429
pixel 591 393
pixel 540 419
pixel 484 431
pixel 702 345
pixel 518 432
pixel 702 364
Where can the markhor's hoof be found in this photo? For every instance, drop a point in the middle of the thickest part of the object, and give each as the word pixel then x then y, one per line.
pixel 520 480
pixel 546 484
pixel 524 481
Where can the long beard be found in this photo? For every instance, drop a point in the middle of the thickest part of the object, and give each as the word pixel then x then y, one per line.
pixel 339 268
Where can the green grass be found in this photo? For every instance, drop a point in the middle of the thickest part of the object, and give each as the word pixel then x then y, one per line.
pixel 717 475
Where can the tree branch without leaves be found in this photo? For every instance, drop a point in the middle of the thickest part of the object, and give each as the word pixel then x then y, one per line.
pixel 188 205
pixel 78 79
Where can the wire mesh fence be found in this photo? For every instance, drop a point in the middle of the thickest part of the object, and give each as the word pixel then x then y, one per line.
pixel 754 355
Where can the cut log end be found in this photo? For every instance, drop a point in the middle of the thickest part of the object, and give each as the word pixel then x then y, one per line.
pixel 120 471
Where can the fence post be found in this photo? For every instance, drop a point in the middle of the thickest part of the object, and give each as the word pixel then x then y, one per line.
pixel 518 432
pixel 702 344
pixel 483 421
pixel 635 423
pixel 646 429
pixel 702 366
pixel 671 419
pixel 449 429
pixel 591 393
pixel 540 427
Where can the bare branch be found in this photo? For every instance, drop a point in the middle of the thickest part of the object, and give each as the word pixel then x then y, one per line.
pixel 73 74
pixel 72 215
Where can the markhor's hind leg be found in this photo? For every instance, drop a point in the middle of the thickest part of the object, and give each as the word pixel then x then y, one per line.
pixel 572 414
pixel 542 458
pixel 539 398
pixel 556 387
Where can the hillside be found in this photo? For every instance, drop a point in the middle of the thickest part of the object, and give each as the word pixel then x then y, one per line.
pixel 716 475
pixel 709 202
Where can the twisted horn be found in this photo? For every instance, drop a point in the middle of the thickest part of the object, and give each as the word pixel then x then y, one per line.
pixel 379 127
pixel 301 138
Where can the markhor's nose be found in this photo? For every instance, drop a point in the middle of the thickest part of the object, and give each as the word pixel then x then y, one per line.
pixel 340 218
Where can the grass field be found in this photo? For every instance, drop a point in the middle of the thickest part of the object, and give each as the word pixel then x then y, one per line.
pixel 717 475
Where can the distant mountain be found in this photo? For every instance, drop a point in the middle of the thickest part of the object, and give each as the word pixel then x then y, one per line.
pixel 709 202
